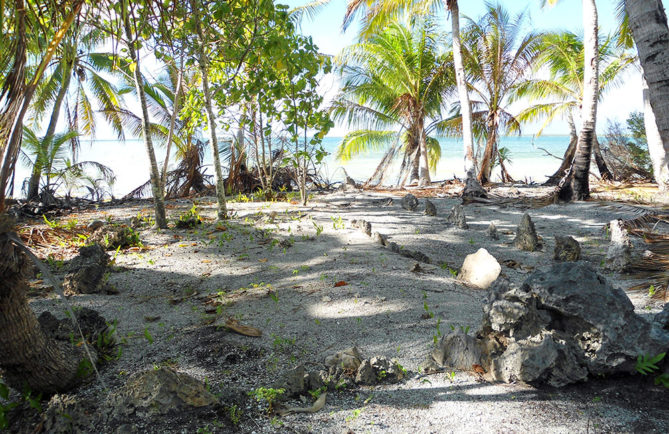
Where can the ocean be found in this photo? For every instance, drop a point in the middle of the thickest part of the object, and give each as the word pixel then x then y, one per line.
pixel 527 161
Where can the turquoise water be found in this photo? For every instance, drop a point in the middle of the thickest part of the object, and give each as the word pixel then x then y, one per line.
pixel 527 162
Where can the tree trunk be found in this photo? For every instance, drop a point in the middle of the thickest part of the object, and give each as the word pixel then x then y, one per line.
pixel 604 171
pixel 211 121
pixel 465 105
pixel 424 176
pixel 28 357
pixel 580 188
pixel 568 158
pixel 173 121
pixel 488 154
pixel 648 22
pixel 659 154
pixel 415 165
pixel 33 185
pixel 156 189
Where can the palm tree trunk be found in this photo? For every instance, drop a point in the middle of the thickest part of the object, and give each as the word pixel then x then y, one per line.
pixel 173 121
pixel 465 105
pixel 488 154
pixel 28 357
pixel 156 189
pixel 415 165
pixel 604 171
pixel 580 188
pixel 648 22
pixel 659 154
pixel 211 121
pixel 424 177
pixel 33 184
pixel 568 158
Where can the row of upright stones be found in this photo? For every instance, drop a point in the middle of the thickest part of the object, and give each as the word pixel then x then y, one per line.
pixel 567 249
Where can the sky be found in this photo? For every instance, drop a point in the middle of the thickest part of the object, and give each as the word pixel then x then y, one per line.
pixel 327 34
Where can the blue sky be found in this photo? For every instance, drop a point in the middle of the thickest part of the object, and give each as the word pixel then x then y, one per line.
pixel 326 31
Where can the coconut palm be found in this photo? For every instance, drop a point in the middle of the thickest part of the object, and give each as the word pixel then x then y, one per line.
pixel 560 95
pixel 18 86
pixel 498 55
pixel 394 85
pixel 52 155
pixel 575 184
pixel 380 12
pixel 90 92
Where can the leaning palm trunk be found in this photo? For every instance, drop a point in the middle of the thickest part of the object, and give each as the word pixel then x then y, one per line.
pixel 648 22
pixel 579 185
pixel 173 121
pixel 604 171
pixel 659 155
pixel 211 121
pixel 156 185
pixel 568 158
pixel 465 105
pixel 488 154
pixel 28 357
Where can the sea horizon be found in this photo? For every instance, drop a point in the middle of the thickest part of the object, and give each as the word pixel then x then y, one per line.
pixel 528 161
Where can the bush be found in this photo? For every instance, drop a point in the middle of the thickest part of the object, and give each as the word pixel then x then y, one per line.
pixel 625 149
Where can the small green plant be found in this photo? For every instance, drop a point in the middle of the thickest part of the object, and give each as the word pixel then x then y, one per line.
pixel 317 393
pixel 147 335
pixel 651 291
pixel 337 222
pixel 451 376
pixel 428 312
pixel 282 344
pixel 53 224
pixel 354 415
pixel 268 395
pixel 319 228
pixel 189 219
pixel 647 365
pixel 71 224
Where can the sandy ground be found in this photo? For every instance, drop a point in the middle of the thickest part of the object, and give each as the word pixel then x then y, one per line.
pixel 275 266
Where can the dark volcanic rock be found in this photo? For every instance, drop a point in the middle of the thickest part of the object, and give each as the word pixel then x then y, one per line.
pixel 409 202
pixel 430 209
pixel 526 235
pixel 457 217
pixel 562 326
pixel 566 249
pixel 86 273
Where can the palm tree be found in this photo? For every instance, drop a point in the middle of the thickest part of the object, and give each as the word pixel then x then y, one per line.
pixel 380 12
pixel 393 91
pixel 575 184
pixel 498 56
pixel 91 89
pixel 18 88
pixel 561 94
pixel 50 153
